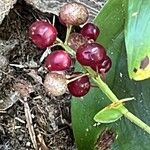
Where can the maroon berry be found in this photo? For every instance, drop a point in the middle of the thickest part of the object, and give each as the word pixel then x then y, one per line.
pixel 90 31
pixel 58 61
pixel 73 14
pixel 102 67
pixel 76 40
pixel 79 87
pixel 42 34
pixel 90 53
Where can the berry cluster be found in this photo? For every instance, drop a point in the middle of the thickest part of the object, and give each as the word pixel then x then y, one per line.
pixel 88 53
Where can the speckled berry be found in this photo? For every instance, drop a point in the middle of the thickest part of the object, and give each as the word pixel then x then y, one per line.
pixel 73 14
pixel 76 40
pixel 55 84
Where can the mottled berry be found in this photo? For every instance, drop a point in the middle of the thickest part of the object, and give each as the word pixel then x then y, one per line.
pixel 73 14
pixel 76 40
pixel 55 84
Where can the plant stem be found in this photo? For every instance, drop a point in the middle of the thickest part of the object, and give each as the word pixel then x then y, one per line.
pixel 77 77
pixel 59 40
pixel 68 49
pixel 108 92
pixel 104 87
pixel 69 27
pixel 135 119
pixel 54 18
pixel 65 46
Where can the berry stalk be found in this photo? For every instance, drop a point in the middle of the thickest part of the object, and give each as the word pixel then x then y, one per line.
pixel 65 46
pixel 68 33
pixel 107 91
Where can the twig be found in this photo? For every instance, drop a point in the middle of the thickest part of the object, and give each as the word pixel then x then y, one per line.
pixel 29 123
pixel 42 142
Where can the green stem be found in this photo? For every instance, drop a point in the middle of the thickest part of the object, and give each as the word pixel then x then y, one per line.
pixel 69 27
pixel 59 40
pixel 65 46
pixel 105 89
pixel 137 121
pixel 68 49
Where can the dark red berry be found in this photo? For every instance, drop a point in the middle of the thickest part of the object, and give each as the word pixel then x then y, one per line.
pixel 102 67
pixel 42 34
pixel 90 31
pixel 58 60
pixel 79 87
pixel 90 53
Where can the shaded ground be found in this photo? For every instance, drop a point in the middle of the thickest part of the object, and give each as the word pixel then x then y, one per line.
pixel 50 115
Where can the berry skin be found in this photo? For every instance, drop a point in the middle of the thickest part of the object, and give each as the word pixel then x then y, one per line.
pixel 76 40
pixel 42 34
pixel 55 84
pixel 79 87
pixel 61 21
pixel 58 60
pixel 73 14
pixel 102 67
pixel 90 53
pixel 90 31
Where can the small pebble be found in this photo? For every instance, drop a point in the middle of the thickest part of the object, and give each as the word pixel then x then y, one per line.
pixel 28 144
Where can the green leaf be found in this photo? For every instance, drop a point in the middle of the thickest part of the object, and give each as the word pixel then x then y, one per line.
pixel 129 136
pixel 111 21
pixel 83 110
pixel 137 37
pixel 108 115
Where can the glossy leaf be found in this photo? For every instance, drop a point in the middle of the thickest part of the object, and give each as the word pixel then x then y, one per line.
pixel 137 36
pixel 129 136
pixel 84 109
pixel 108 115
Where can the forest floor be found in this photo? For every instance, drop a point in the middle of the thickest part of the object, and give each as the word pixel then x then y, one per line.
pixel 20 70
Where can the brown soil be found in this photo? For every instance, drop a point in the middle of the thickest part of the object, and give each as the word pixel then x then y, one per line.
pixel 50 115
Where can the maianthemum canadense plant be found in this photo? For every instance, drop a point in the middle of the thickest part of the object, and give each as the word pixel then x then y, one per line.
pixel 118 35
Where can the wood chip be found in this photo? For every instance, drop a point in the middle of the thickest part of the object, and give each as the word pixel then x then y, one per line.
pixel 8 101
pixel 30 125
pixel 42 143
